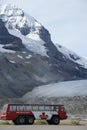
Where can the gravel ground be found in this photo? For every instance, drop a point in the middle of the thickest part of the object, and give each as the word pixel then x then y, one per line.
pixel 43 127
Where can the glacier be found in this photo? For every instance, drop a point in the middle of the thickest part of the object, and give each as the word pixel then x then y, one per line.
pixel 60 89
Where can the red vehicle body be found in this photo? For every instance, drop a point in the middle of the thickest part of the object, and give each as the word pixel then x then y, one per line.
pixel 26 113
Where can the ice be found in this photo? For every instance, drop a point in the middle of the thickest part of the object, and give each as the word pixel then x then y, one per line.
pixel 34 36
pixel 61 89
pixel 28 57
pixel 21 57
pixel 11 61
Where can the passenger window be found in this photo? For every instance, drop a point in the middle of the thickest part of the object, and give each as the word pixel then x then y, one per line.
pixel 28 108
pixel 51 108
pixel 21 108
pixel 12 108
pixel 47 108
pixel 41 108
pixel 35 108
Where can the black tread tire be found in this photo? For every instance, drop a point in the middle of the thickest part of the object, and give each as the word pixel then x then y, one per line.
pixel 49 122
pixel 19 121
pixel 15 122
pixel 55 120
pixel 30 120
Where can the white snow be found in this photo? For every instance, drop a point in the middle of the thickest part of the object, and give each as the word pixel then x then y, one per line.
pixel 24 52
pixel 2 9
pixel 67 88
pixel 31 21
pixel 11 61
pixel 37 24
pixel 15 19
pixel 82 61
pixel 78 59
pixel 35 46
pixel 5 50
pixel 21 57
pixel 33 36
pixel 28 57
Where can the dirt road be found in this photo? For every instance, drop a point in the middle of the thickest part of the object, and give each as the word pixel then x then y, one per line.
pixel 42 127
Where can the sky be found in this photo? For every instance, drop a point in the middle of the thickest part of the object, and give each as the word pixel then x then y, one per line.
pixel 66 20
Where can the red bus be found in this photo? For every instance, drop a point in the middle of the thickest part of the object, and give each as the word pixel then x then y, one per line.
pixel 22 114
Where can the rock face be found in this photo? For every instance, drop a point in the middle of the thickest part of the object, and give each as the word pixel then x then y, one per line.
pixel 8 41
pixel 28 57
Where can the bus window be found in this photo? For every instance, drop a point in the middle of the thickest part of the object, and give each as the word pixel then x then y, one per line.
pixel 35 108
pixel 12 108
pixel 51 108
pixel 28 108
pixel 41 108
pixel 17 107
pixel 21 108
pixel 47 108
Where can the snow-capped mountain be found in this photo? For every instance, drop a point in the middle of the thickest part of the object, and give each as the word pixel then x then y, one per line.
pixel 30 31
pixel 29 58
pixel 26 27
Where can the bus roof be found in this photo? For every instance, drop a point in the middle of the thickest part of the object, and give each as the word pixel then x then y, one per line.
pixel 23 104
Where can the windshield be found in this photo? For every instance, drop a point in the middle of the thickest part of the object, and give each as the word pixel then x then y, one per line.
pixel 5 108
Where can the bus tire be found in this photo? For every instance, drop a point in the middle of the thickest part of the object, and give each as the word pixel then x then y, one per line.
pixel 20 120
pixel 30 120
pixel 55 120
pixel 49 122
pixel 15 122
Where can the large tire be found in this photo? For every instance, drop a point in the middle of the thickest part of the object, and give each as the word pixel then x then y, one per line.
pixel 49 122
pixel 19 121
pixel 30 120
pixel 55 120
pixel 15 122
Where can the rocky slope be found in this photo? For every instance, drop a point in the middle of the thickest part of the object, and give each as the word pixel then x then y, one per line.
pixel 28 57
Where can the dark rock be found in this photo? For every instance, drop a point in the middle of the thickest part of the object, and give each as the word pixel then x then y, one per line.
pixel 9 41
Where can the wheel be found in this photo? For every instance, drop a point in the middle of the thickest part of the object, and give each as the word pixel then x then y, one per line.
pixel 30 120
pixel 55 120
pixel 15 122
pixel 19 121
pixel 49 122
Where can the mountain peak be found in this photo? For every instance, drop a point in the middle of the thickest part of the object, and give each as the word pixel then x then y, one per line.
pixel 25 27
pixel 10 10
pixel 16 19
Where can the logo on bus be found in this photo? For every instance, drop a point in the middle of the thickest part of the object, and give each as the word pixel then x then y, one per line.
pixel 43 115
